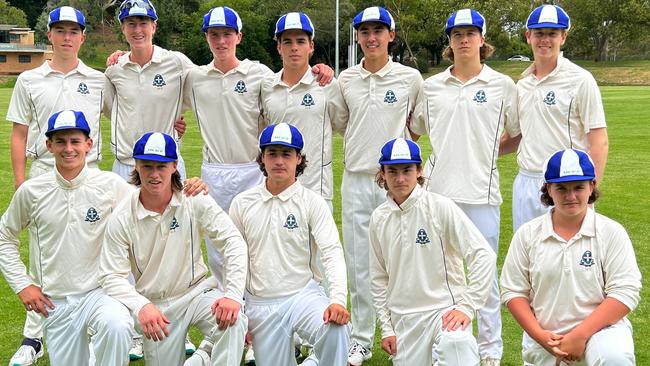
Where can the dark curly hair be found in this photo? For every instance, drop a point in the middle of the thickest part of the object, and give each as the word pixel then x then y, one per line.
pixel 548 201
pixel 381 182
pixel 299 169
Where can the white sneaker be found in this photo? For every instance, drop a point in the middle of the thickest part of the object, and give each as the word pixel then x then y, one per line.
pixel 249 356
pixel 25 355
pixel 357 354
pixel 199 358
pixel 488 361
pixel 189 346
pixel 135 353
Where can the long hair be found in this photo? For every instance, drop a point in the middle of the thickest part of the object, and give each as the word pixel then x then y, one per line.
pixel 300 168
pixel 177 184
pixel 485 52
pixel 548 201
pixel 381 182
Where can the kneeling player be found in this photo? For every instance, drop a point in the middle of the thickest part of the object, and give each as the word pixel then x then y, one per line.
pixel 419 244
pixel 281 221
pixel 156 234
pixel 570 276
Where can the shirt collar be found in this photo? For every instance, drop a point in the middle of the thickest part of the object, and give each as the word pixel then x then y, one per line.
pixel 142 212
pixel 485 75
pixel 156 57
pixel 243 67
pixel 410 201
pixel 75 182
pixel 307 78
pixel 588 227
pixel 531 69
pixel 81 68
pixel 284 195
pixel 381 72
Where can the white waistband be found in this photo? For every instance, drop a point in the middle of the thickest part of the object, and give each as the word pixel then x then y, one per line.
pixel 529 174
pixel 230 166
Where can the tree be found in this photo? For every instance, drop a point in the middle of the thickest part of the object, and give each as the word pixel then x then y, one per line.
pixel 12 15
pixel 32 9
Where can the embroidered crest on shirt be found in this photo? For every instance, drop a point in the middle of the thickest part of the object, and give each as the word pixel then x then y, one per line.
pixel 83 88
pixel 291 222
pixel 480 97
pixel 174 225
pixel 92 215
pixel 587 259
pixel 390 97
pixel 240 87
pixel 308 100
pixel 550 98
pixel 422 237
pixel 158 81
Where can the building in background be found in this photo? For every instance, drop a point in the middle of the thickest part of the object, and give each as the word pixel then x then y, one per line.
pixel 18 51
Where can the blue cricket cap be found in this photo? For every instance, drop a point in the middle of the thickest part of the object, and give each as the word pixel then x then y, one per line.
pixel 466 17
pixel 282 134
pixel 569 165
pixel 548 16
pixel 374 14
pixel 222 16
pixel 298 21
pixel 400 151
pixel 155 146
pixel 133 8
pixel 66 14
pixel 67 120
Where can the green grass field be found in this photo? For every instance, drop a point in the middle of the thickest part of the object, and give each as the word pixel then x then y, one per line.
pixel 625 181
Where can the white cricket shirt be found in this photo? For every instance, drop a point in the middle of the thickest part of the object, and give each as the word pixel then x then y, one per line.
pixel 417 256
pixel 147 98
pixel 228 110
pixel 163 251
pixel 281 232
pixel 556 112
pixel 41 92
pixel 318 112
pixel 379 105
pixel 66 221
pixel 464 123
pixel 565 281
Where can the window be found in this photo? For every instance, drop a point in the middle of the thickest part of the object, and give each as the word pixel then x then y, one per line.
pixel 24 59
pixel 3 58
pixel 14 38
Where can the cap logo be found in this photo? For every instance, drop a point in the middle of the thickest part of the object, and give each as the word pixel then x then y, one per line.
pixel 570 164
pixel 400 150
pixel 548 15
pixel 155 145
pixel 292 21
pixel 281 133
pixel 136 10
pixel 65 119
pixel 463 17
pixel 218 17
pixel 68 14
pixel 370 14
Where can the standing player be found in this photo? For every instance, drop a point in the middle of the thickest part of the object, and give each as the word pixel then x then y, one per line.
pixel 420 243
pixel 279 219
pixel 380 95
pixel 156 235
pixel 65 211
pixel 559 107
pixel 148 83
pixel 570 276
pixel 294 96
pixel 464 111
pixel 65 82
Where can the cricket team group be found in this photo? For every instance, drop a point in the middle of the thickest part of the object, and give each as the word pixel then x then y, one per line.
pixel 116 268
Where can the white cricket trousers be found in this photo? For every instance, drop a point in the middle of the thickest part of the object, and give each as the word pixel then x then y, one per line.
pixel 611 346
pixel 34 321
pixel 225 182
pixel 124 170
pixel 93 317
pixel 526 204
pixel 360 196
pixel 273 322
pixel 487 219
pixel 195 308
pixel 418 334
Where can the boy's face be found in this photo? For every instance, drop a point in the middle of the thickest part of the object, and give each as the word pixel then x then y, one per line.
pixel 280 163
pixel 223 42
pixel 466 42
pixel 138 31
pixel 401 179
pixel 69 148
pixel 66 38
pixel 155 176
pixel 373 38
pixel 546 42
pixel 295 47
